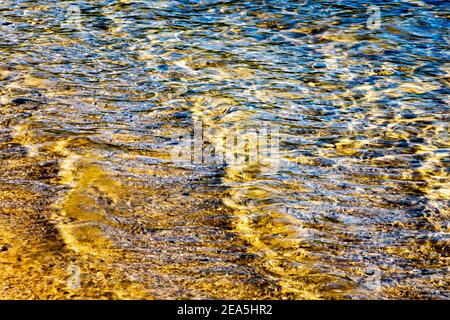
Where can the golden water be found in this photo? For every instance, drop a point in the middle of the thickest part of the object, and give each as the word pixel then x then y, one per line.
pixel 358 209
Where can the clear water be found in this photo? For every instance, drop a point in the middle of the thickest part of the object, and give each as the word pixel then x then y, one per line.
pixel 90 106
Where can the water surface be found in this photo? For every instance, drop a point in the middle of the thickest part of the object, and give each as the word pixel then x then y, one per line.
pixel 90 109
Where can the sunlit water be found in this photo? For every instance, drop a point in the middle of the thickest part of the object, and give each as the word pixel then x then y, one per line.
pixel 358 208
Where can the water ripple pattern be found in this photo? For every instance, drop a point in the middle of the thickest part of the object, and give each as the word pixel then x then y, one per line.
pixel 95 94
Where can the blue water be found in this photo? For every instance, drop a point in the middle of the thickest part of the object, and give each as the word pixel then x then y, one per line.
pixel 357 90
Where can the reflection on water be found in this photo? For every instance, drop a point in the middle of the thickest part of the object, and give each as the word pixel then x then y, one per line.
pixel 92 97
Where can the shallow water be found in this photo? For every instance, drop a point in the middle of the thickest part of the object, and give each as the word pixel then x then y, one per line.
pixel 93 103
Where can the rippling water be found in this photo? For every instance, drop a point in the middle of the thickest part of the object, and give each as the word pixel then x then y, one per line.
pixel 93 95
